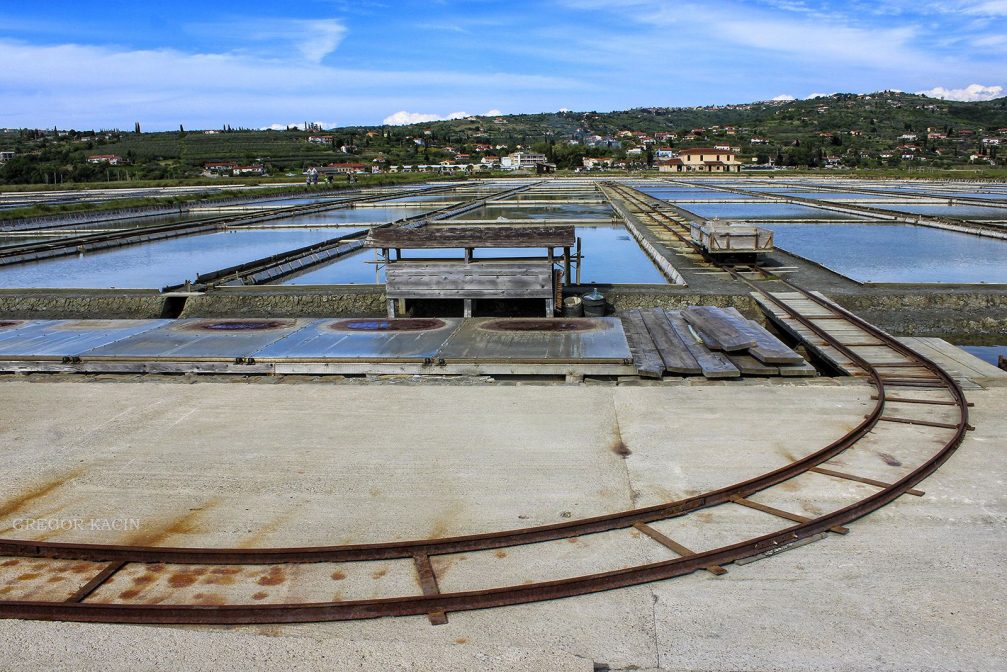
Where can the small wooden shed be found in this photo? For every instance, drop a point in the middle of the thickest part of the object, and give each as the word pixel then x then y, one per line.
pixel 469 277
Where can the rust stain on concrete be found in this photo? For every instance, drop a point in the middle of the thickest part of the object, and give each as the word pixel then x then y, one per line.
pixel 184 524
pixel 274 577
pixel 38 492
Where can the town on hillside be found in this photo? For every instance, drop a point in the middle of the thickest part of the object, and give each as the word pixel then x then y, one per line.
pixel 843 131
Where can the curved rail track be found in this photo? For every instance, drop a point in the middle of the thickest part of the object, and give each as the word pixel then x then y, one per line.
pixel 90 603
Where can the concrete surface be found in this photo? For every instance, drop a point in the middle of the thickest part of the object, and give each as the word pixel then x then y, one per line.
pixel 918 585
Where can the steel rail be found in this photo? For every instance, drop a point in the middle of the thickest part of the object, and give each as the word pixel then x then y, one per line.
pixel 507 595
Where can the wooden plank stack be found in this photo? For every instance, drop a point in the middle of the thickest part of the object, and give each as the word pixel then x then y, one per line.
pixel 708 341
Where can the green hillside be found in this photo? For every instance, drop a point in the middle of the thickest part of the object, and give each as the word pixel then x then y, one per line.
pixel 842 130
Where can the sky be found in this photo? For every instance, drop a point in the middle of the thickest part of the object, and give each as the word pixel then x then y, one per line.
pixel 106 64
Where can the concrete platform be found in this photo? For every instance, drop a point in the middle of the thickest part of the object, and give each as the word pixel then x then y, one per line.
pixel 918 585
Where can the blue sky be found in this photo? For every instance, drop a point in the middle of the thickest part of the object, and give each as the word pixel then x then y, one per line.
pixel 89 64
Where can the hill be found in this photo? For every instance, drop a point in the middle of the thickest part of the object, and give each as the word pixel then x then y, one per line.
pixel 885 129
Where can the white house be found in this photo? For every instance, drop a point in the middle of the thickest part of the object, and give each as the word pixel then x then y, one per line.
pixel 522 160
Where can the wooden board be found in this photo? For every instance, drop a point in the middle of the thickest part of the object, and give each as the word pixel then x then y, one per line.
pixel 768 348
pixel 533 280
pixel 750 366
pixel 714 364
pixel 430 237
pixel 645 355
pixel 801 333
pixel 715 322
pixel 676 357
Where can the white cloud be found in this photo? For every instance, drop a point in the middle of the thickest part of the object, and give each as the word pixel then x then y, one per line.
pixel 985 7
pixel 299 125
pixel 972 92
pixel 403 118
pixel 88 86
pixel 313 39
pixel 320 38
pixel 783 97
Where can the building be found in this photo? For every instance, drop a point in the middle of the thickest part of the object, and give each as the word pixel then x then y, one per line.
pixel 110 159
pixel 664 153
pixel 522 160
pixel 219 167
pixel 343 169
pixel 6 156
pixel 670 165
pixel 320 139
pixel 254 169
pixel 705 160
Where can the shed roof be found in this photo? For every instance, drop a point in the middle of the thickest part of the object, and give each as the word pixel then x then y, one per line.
pixel 429 237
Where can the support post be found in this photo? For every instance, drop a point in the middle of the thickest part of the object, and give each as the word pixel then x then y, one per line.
pixel 579 260
pixel 467 311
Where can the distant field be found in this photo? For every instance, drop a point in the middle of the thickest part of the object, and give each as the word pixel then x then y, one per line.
pixel 199 148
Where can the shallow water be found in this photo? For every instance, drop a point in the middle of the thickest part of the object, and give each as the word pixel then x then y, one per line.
pixel 565 211
pixel 762 211
pixel 610 255
pixel 348 217
pixel 987 353
pixel 958 211
pixel 896 252
pixel 162 263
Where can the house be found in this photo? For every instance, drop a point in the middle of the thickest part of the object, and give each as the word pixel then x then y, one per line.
pixel 991 142
pixel 856 132
pixel 522 160
pixel 759 141
pixel 6 156
pixel 670 165
pixel 595 163
pixel 320 139
pixel 727 148
pixel 664 153
pixel 708 160
pixel 253 169
pixel 636 151
pixel 663 136
pixel 219 167
pixel 909 137
pixel 343 169
pixel 936 136
pixel 110 159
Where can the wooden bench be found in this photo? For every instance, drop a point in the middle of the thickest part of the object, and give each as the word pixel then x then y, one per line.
pixel 470 278
pixel 476 280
